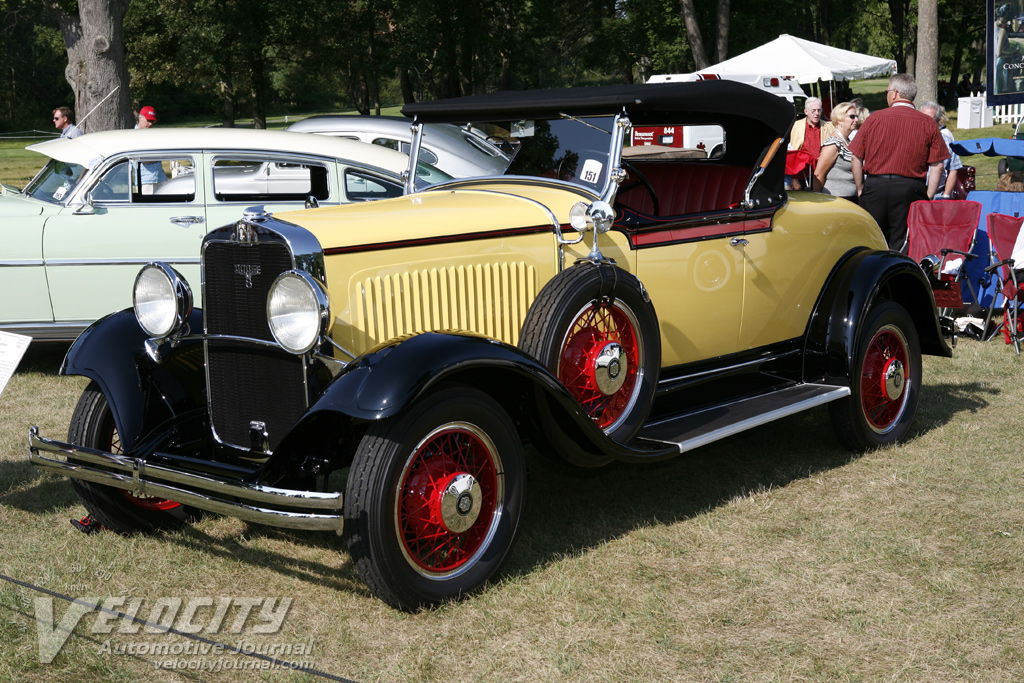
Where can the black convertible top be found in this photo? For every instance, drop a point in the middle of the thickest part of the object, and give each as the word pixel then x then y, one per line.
pixel 726 102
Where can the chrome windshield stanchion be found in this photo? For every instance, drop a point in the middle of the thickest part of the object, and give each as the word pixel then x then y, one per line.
pixel 409 177
pixel 616 174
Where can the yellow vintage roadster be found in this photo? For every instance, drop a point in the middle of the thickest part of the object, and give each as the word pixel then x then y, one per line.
pixel 376 369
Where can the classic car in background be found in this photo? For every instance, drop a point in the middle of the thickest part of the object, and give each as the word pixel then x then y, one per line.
pixel 456 150
pixel 106 204
pixel 375 369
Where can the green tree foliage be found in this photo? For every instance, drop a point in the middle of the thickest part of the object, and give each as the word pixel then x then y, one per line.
pixel 32 63
pixel 242 58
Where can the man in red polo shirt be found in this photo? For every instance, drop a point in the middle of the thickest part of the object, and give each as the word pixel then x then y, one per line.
pixel 897 159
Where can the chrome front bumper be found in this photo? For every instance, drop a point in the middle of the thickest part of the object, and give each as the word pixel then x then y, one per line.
pixel 286 508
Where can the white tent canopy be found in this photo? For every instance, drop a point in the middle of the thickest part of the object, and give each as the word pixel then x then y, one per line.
pixel 807 61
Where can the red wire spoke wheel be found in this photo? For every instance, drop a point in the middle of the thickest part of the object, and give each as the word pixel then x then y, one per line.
pixel 884 379
pixel 92 425
pixel 601 360
pixel 434 497
pixel 144 502
pixel 594 327
pixel 448 499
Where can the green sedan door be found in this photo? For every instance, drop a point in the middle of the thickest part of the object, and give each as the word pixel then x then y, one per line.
pixel 140 209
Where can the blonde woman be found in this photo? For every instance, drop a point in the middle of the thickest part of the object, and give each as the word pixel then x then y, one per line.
pixel 834 172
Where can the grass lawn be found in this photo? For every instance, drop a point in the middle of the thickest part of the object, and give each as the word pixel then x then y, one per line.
pixel 772 555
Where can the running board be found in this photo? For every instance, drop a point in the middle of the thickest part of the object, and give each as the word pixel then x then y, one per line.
pixel 711 424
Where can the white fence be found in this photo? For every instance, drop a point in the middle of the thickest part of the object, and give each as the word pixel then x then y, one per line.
pixel 1007 113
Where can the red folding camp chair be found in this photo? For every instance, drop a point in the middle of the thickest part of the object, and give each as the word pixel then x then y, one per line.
pixel 944 229
pixel 800 166
pixel 1002 235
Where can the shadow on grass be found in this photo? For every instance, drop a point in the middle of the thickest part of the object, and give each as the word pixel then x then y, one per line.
pixel 942 402
pixel 570 511
pixel 44 357
pixel 24 487
pixel 339 575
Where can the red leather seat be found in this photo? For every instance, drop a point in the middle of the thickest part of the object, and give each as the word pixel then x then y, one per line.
pixel 686 188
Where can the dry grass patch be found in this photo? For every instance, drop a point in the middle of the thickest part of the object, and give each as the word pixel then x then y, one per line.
pixel 773 555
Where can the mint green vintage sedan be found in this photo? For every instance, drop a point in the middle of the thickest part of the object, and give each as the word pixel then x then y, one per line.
pixel 105 204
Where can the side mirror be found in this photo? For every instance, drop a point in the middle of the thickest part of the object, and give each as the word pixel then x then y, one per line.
pixel 311 202
pixel 85 209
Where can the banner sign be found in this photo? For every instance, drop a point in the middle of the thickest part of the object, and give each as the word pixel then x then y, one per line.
pixel 1005 58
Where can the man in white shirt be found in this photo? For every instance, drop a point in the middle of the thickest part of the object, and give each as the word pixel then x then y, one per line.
pixel 951 166
pixel 62 121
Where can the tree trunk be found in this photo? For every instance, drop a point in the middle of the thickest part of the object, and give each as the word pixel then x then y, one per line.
pixel 96 68
pixel 227 104
pixel 952 98
pixel 260 90
pixel 722 39
pixel 825 35
pixel 927 73
pixel 700 58
pixel 897 13
pixel 405 83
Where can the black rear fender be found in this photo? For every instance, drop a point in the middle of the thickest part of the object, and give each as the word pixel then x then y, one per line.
pixel 862 279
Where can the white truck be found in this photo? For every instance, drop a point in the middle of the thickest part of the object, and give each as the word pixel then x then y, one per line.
pixel 711 139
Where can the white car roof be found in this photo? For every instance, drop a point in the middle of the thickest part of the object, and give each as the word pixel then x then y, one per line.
pixel 786 86
pixel 451 144
pixel 89 150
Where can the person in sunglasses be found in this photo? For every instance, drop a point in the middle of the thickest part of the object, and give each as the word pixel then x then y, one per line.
pixel 834 171
pixel 62 121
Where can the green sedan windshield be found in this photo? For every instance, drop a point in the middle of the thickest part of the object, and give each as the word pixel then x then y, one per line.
pixel 55 182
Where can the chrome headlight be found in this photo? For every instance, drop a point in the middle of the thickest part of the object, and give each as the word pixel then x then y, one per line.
pixel 578 216
pixel 599 216
pixel 162 300
pixel 298 311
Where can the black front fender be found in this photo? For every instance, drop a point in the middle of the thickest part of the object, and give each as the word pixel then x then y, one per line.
pixel 141 392
pixel 856 284
pixel 387 380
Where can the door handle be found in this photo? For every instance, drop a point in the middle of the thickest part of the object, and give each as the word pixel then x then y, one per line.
pixel 185 221
pixel 738 242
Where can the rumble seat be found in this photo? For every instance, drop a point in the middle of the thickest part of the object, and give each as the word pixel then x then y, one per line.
pixel 685 188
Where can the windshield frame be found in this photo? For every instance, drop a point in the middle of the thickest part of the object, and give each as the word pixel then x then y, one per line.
pixel 610 176
pixel 49 172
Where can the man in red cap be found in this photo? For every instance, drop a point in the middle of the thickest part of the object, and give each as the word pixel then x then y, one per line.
pixel 151 173
pixel 147 117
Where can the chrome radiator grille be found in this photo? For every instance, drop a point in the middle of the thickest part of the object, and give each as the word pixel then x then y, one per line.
pixel 247 383
pixel 489 298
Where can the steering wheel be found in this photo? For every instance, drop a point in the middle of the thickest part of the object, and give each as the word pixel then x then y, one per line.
pixel 641 179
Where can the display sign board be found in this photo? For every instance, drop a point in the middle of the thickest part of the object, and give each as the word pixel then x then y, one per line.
pixel 12 348
pixel 1005 56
